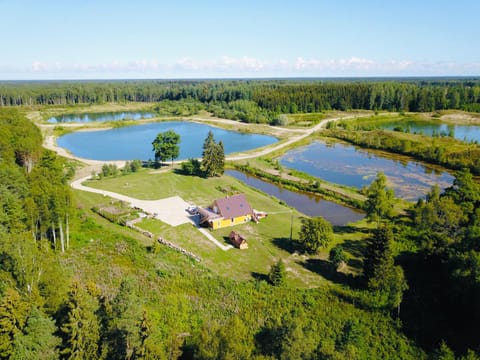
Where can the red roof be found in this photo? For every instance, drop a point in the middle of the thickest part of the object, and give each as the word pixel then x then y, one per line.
pixel 233 206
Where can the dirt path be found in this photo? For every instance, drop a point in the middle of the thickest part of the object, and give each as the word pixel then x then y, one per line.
pixel 270 149
pixel 96 165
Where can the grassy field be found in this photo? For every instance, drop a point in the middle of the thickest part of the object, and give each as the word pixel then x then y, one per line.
pixel 268 240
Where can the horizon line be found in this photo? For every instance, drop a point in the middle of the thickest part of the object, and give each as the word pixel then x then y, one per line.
pixel 346 77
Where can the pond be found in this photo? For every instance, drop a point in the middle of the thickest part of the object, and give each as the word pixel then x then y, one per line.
pixel 135 142
pixel 460 132
pixel 104 116
pixel 307 204
pixel 347 165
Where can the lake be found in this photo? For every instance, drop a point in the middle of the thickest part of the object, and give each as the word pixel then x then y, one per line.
pixel 347 165
pixel 104 116
pixel 307 204
pixel 460 132
pixel 135 142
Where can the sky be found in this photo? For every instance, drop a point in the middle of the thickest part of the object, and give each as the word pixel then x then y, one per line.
pixel 157 39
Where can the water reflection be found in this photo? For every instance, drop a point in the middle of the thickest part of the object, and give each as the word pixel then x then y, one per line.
pixel 135 142
pixel 347 165
pixel 308 204
pixel 99 117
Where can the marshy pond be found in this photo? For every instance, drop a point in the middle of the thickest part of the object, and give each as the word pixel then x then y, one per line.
pixel 101 117
pixel 467 133
pixel 347 165
pixel 308 204
pixel 135 142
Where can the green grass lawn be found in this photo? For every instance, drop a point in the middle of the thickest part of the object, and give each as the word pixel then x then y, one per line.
pixel 268 240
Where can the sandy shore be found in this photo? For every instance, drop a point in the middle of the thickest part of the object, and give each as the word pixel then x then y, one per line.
pixel 96 165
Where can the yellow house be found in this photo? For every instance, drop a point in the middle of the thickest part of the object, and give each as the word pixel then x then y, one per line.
pixel 228 211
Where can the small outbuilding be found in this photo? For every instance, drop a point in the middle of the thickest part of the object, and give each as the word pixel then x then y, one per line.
pixel 238 240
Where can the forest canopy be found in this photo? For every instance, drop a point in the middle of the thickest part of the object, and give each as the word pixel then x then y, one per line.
pixel 259 97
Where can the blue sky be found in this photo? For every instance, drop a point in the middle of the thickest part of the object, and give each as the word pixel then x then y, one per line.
pixel 90 39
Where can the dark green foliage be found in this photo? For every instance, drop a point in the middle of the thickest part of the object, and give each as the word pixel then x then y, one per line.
pixel 132 166
pixel 315 233
pixel 337 256
pixel 277 275
pixel 444 281
pixel 213 156
pixel 379 203
pixel 443 352
pixel 438 220
pixel 244 110
pixel 122 322
pixel 165 146
pixel 351 335
pixel 80 329
pixel 385 280
pixel 13 315
pixel 192 167
pixel 184 107
pixel 255 100
pixel 37 341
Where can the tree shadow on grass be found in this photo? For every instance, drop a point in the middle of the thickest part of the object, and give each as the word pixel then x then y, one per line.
pixel 327 270
pixel 355 247
pixel 286 244
pixel 355 263
pixel 259 276
pixel 337 229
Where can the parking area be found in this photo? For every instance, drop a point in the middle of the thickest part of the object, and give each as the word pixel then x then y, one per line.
pixel 171 211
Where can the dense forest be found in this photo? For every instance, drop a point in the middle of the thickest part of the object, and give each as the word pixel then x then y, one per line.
pixel 263 97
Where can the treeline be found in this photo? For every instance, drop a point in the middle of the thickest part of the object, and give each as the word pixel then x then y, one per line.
pixel 270 96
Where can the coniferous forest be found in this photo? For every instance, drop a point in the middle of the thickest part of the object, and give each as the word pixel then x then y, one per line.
pixel 267 96
pixel 75 286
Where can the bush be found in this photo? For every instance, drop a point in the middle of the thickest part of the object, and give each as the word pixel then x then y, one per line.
pixel 191 167
pixel 280 120
pixel 337 256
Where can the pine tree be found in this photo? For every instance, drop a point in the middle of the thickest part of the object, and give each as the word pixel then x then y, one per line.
pixel 277 275
pixel 13 314
pixel 122 325
pixel 213 157
pixel 81 331
pixel 383 278
pixel 141 351
pixel 37 340
pixel 220 158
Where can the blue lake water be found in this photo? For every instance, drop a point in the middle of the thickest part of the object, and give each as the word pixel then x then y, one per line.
pixel 460 132
pixel 347 165
pixel 307 204
pixel 104 116
pixel 135 142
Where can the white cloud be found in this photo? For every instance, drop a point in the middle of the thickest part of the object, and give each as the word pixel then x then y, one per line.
pixel 246 66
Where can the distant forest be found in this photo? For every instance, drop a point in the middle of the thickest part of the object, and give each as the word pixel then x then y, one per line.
pixel 271 96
